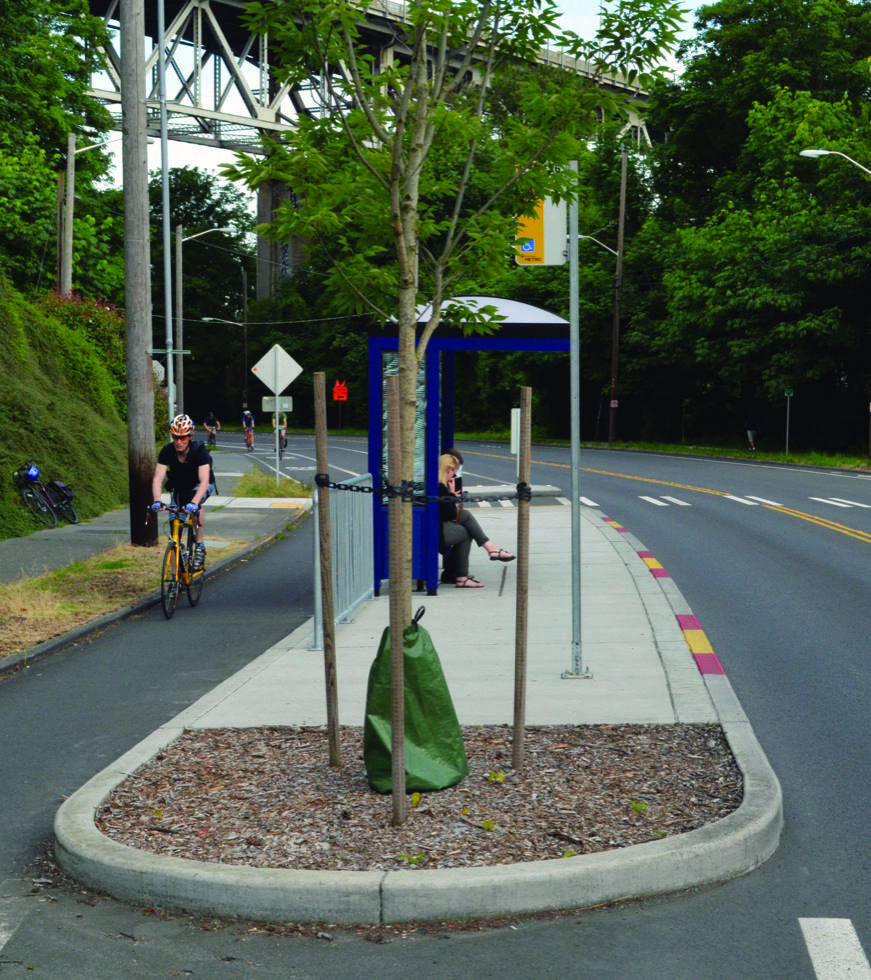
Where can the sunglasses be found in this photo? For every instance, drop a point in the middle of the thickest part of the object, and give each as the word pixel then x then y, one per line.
pixel 180 438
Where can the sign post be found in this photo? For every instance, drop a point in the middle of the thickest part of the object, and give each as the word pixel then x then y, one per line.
pixel 788 393
pixel 276 369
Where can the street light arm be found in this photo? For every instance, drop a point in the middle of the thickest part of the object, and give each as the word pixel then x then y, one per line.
pixel 613 251
pixel 206 232
pixel 816 154
pixel 217 319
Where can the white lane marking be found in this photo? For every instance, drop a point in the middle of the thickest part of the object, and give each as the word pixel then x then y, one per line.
pixel 763 500
pixel 567 503
pixel 506 503
pixel 583 500
pixel 834 949
pixel 740 500
pixel 678 501
pixel 484 503
pixel 825 500
pixel 850 503
pixel 653 500
pixel 13 909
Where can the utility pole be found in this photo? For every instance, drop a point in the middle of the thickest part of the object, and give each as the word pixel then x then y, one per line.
pixel 245 338
pixel 137 262
pixel 618 291
pixel 179 323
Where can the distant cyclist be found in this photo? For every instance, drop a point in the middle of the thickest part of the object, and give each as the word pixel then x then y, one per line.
pixel 282 429
pixel 187 463
pixel 248 428
pixel 213 427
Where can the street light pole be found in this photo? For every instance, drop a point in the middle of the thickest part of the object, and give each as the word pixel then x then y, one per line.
pixel 618 290
pixel 66 262
pixel 814 155
pixel 179 318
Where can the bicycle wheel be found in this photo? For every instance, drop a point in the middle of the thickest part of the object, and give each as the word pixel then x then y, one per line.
pixel 194 579
pixel 68 512
pixel 39 506
pixel 195 585
pixel 169 584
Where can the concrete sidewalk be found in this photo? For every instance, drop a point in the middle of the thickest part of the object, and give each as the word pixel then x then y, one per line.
pixel 649 663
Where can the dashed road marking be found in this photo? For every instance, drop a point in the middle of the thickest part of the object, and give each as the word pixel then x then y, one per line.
pixel 741 500
pixel 850 503
pixel 834 949
pixel 13 908
pixel 764 500
pixel 678 502
pixel 654 500
pixel 826 500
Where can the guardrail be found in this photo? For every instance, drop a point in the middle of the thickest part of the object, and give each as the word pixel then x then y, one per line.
pixel 351 531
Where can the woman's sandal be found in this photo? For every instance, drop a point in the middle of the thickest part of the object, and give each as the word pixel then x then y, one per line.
pixel 470 582
pixel 500 554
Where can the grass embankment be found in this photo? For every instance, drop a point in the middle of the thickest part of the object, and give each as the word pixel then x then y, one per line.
pixel 60 402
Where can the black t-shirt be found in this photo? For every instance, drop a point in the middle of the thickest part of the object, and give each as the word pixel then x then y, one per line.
pixel 183 478
pixel 211 421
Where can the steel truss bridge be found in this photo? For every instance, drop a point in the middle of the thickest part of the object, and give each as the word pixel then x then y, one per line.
pixel 220 91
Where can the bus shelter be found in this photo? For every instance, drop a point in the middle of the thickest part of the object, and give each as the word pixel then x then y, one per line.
pixel 524 328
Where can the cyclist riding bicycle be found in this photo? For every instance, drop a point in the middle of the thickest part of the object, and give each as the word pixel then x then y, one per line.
pixel 211 424
pixel 248 426
pixel 282 428
pixel 187 462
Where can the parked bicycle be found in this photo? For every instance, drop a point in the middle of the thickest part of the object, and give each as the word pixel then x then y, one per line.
pixel 45 500
pixel 177 570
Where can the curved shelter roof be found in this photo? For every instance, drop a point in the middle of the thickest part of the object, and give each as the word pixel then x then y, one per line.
pixel 514 312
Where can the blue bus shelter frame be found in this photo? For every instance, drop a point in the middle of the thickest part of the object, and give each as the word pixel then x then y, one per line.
pixel 438 433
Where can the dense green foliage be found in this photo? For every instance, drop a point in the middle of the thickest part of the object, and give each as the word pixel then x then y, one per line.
pixel 745 265
pixel 49 54
pixel 59 405
pixel 764 255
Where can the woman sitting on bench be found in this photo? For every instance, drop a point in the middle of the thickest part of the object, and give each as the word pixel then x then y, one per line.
pixel 458 529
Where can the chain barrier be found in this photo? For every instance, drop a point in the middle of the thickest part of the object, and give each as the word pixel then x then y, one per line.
pixel 413 492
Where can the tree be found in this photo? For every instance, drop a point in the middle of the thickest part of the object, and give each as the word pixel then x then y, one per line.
pixel 770 294
pixel 383 170
pixel 383 167
pixel 49 55
pixel 744 51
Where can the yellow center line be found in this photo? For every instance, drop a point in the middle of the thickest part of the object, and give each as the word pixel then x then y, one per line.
pixel 801 515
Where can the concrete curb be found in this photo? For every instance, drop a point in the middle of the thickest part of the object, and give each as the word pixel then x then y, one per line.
pixel 716 852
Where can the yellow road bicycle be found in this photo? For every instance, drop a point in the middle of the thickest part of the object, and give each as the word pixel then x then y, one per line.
pixel 177 570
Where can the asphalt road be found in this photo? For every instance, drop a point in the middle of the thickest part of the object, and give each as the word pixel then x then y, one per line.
pixel 773 561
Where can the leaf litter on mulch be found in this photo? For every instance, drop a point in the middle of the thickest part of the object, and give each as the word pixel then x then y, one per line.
pixel 267 797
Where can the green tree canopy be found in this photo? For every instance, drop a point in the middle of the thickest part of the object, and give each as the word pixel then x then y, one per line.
pixel 743 52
